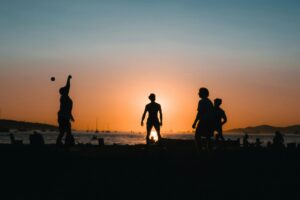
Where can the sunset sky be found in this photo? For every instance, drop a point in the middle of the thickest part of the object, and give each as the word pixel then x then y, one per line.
pixel 118 52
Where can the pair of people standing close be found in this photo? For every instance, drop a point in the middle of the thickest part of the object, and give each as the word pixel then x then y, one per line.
pixel 209 118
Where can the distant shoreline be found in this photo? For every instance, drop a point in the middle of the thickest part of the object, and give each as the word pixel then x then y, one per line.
pixel 294 129
pixel 7 124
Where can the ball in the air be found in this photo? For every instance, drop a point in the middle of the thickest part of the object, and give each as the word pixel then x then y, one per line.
pixel 52 78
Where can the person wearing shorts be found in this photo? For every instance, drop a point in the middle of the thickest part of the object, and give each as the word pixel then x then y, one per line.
pixel 153 109
pixel 204 121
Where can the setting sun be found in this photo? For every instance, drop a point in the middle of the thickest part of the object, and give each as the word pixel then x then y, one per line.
pixel 153 135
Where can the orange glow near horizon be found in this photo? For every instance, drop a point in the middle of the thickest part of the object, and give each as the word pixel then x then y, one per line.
pixel 117 96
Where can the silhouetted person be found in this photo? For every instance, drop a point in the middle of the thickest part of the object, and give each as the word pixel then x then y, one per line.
pixel 204 119
pixel 220 119
pixel 13 140
pixel 65 115
pixel 245 141
pixel 278 140
pixel 36 139
pixel 153 109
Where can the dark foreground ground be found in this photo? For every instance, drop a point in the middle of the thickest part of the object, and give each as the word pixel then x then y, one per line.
pixel 126 172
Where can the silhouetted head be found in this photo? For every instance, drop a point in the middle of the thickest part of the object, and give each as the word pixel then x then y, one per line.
pixel 218 102
pixel 203 93
pixel 152 97
pixel 63 91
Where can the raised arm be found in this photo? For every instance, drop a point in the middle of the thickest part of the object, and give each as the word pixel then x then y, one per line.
pixel 144 115
pixel 68 84
pixel 160 116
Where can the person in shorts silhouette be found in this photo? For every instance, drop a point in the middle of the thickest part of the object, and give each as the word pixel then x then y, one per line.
pixel 204 121
pixel 153 109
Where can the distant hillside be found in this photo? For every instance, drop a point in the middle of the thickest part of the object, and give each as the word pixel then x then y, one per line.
pixel 266 129
pixel 6 125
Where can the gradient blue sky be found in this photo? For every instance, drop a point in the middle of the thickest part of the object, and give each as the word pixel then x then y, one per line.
pixel 51 28
pixel 247 52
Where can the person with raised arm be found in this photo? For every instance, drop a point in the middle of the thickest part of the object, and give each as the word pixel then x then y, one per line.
pixel 65 115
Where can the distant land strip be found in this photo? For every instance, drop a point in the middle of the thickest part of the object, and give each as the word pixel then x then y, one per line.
pixel 295 129
pixel 7 125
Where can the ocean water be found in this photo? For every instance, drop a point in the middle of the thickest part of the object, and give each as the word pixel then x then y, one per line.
pixel 124 138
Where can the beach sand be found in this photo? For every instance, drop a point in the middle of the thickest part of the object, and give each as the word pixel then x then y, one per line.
pixel 124 172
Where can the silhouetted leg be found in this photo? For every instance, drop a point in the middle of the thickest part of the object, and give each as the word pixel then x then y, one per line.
pixel 69 140
pixel 149 127
pixel 157 128
pixel 217 135
pixel 210 129
pixel 60 135
pixel 198 142
pixel 198 139
pixel 208 143
pixel 221 135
